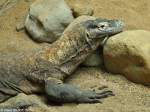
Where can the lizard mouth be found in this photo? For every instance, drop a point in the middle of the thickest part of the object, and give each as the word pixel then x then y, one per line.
pixel 118 27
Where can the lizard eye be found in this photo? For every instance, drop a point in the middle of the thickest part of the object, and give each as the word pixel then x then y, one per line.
pixel 102 25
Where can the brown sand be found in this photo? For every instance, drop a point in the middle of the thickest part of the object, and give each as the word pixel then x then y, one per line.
pixel 129 97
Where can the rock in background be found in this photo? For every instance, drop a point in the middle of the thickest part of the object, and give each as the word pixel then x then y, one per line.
pixel 83 8
pixel 47 19
pixel 128 53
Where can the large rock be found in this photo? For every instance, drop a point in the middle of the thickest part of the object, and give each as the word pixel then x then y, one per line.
pixel 47 19
pixel 128 53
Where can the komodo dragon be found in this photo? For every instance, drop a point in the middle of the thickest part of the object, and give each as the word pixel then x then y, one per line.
pixel 45 69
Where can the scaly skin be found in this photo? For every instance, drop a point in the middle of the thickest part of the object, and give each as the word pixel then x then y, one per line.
pixel 45 69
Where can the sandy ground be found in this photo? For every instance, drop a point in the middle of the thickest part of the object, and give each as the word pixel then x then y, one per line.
pixel 129 97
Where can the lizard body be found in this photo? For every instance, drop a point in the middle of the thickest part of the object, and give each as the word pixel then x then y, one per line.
pixel 45 69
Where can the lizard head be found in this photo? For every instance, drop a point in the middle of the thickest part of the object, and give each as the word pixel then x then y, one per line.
pixel 100 28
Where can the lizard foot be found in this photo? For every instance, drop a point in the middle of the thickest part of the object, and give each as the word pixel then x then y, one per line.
pixel 66 93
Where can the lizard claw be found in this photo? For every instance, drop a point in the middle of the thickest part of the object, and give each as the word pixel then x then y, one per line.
pixel 93 97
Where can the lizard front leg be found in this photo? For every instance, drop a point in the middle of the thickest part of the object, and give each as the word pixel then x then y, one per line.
pixel 52 77
pixel 60 92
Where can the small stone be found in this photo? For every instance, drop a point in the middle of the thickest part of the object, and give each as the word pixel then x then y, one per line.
pixel 19 27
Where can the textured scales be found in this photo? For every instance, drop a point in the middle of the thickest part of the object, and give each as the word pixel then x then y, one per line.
pixel 44 70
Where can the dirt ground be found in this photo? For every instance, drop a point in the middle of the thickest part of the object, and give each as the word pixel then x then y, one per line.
pixel 129 97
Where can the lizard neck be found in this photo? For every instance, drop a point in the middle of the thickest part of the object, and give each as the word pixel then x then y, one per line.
pixel 70 50
pixel 67 47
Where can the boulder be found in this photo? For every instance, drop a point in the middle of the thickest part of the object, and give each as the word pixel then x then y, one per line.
pixel 47 19
pixel 128 53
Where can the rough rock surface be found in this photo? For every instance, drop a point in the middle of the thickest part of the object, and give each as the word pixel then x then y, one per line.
pixel 47 19
pixel 128 53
